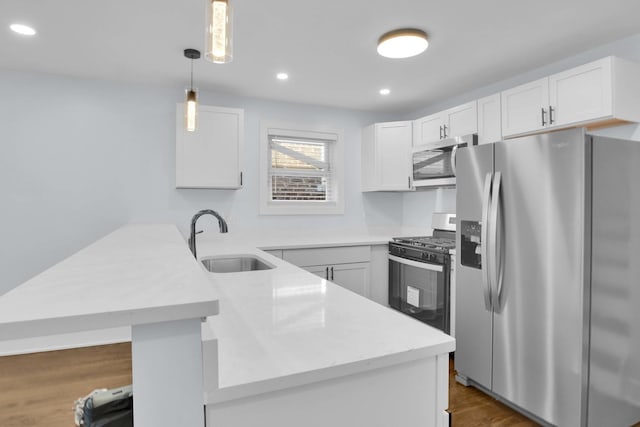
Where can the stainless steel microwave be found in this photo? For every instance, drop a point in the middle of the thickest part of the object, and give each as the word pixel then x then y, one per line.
pixel 434 164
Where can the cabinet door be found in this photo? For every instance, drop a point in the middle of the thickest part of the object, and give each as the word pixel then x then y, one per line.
pixel 354 277
pixel 428 129
pixel 461 120
pixel 210 157
pixel 581 94
pixel 393 155
pixel 489 119
pixel 319 270
pixel 525 108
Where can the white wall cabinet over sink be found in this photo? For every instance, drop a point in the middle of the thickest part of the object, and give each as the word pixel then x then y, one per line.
pixel 456 121
pixel 386 157
pixel 210 157
pixel 598 93
pixel 347 266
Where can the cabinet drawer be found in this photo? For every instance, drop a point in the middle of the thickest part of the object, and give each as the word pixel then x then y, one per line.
pixel 322 256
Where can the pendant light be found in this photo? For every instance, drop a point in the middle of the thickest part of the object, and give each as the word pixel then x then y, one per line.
pixel 403 43
pixel 191 101
pixel 219 31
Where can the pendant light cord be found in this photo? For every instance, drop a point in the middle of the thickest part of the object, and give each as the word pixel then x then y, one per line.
pixel 191 73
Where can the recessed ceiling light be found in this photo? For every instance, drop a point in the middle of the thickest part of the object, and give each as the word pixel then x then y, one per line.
pixel 22 29
pixel 282 76
pixel 385 91
pixel 402 43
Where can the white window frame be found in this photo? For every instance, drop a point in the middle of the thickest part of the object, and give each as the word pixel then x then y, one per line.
pixel 301 207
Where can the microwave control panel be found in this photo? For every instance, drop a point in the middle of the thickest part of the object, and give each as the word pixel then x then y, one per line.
pixel 471 245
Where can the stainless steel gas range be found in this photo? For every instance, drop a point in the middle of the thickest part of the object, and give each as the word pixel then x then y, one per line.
pixel 422 274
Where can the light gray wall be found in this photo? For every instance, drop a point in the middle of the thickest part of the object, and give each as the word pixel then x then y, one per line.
pixel 418 206
pixel 78 158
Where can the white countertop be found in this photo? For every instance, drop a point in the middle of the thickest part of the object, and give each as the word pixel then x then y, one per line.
pixel 137 274
pixel 284 327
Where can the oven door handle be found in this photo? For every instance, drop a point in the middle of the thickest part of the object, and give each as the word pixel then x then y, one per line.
pixel 416 264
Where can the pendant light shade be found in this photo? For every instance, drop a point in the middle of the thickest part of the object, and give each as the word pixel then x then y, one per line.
pixel 403 43
pixel 219 32
pixel 191 101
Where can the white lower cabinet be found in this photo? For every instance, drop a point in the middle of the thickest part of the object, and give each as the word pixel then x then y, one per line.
pixel 354 277
pixel 347 266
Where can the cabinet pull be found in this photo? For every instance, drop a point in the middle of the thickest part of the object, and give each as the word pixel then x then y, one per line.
pixel 544 114
pixel 326 273
pixel 240 179
pixel 550 115
pixel 440 132
pixel 445 130
pixel 409 181
pixel 331 273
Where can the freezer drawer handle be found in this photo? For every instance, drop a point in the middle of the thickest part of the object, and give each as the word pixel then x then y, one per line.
pixel 484 240
pixel 416 264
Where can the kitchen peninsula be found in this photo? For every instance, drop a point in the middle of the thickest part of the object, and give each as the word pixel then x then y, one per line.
pixel 288 348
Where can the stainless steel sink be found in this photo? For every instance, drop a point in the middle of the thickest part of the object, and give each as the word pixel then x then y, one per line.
pixel 235 264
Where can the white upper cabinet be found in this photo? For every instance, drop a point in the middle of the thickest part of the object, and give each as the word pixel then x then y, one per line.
pixel 457 121
pixel 461 120
pixel 489 119
pixel 386 157
pixel 601 92
pixel 211 156
pixel 524 107
pixel 428 129
pixel 582 93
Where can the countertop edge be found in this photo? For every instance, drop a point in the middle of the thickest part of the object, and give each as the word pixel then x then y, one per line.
pixel 225 394
pixel 95 321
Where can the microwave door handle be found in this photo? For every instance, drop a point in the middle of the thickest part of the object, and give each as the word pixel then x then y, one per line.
pixel 416 264
pixel 454 153
pixel 484 241
pixel 495 245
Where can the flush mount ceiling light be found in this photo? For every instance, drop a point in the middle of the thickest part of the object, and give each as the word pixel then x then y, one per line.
pixel 403 43
pixel 219 31
pixel 22 29
pixel 385 91
pixel 191 101
pixel 282 76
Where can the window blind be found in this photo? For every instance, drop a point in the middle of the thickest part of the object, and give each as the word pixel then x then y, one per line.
pixel 300 169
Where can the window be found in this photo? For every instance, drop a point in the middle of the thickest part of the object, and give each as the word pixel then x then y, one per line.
pixel 301 171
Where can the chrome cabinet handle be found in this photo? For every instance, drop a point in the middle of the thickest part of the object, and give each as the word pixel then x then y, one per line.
pixel 331 273
pixel 544 114
pixel 484 241
pixel 445 130
pixel 440 132
pixel 495 247
pixel 409 181
pixel 326 273
pixel 550 115
pixel 240 179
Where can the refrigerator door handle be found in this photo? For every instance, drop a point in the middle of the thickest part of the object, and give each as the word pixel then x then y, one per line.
pixel 484 240
pixel 495 247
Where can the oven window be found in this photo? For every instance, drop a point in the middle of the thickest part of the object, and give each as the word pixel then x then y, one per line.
pixel 420 293
pixel 432 164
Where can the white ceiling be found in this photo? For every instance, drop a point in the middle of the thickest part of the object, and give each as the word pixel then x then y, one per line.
pixel 328 48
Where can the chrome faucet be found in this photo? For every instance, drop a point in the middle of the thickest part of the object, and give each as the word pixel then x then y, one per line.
pixel 192 238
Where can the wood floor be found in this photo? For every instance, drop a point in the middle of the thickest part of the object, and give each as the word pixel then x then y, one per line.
pixel 39 389
pixel 470 407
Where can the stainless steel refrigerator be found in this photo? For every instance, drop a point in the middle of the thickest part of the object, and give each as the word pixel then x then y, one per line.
pixel 548 276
